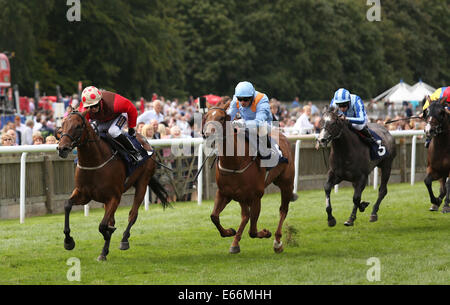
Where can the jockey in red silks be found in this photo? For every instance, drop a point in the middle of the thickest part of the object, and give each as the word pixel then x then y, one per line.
pixel 112 112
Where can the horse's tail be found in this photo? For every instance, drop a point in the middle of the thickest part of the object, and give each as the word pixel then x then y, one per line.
pixel 159 191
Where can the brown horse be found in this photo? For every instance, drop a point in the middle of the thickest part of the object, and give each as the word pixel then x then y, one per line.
pixel 350 161
pixel 241 178
pixel 438 158
pixel 100 175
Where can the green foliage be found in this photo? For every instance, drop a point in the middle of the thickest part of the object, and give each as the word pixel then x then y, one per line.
pixel 286 48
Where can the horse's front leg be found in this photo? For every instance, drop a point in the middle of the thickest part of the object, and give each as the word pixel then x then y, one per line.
pixel 329 184
pixel 106 226
pixel 245 216
pixel 435 202
pixel 220 203
pixel 75 199
pixel 255 209
pixel 358 189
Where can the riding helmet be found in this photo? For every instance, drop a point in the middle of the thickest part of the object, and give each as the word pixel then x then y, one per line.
pixel 244 89
pixel 91 96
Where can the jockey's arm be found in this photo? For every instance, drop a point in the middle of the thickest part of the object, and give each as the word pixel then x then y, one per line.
pixel 123 105
pixel 263 116
pixel 359 117
pixel 233 110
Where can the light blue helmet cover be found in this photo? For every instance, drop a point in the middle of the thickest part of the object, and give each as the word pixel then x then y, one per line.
pixel 244 89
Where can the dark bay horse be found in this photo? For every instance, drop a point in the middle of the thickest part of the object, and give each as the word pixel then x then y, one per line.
pixel 100 175
pixel 241 178
pixel 350 160
pixel 438 157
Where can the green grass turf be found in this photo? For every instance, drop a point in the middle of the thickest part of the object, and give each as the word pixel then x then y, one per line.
pixel 180 245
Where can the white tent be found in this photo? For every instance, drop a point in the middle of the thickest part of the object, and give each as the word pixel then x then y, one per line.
pixel 397 94
pixel 421 90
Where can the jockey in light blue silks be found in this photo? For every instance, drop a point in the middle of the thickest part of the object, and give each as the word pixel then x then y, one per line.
pixel 254 109
pixel 352 107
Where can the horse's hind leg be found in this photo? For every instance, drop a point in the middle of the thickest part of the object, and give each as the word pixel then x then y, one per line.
pixel 245 215
pixel 358 187
pixel 105 228
pixel 286 195
pixel 382 191
pixel 220 203
pixel 133 214
pixel 446 208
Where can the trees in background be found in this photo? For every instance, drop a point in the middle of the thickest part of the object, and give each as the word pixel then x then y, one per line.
pixel 287 48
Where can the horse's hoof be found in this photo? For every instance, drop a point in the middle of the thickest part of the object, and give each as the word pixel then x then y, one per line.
pixel 434 208
pixel 373 218
pixel 363 205
pixel 332 222
pixel 446 210
pixel 69 245
pixel 235 249
pixel 349 223
pixel 294 197
pixel 268 234
pixel 124 245
pixel 101 258
pixel 278 247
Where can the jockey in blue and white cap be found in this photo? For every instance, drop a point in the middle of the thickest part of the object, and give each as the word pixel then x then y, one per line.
pixel 352 107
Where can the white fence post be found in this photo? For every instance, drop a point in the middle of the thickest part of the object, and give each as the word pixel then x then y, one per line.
pixel 297 164
pixel 413 159
pixel 23 164
pixel 200 175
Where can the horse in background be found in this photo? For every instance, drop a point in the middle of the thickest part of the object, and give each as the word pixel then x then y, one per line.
pixel 241 178
pixel 350 160
pixel 438 156
pixel 101 176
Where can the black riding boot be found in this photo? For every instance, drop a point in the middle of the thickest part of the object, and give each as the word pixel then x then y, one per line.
pixel 126 143
pixel 368 136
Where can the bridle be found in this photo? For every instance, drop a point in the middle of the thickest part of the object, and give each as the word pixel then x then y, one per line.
pixel 76 140
pixel 334 130
pixel 223 169
pixel 205 123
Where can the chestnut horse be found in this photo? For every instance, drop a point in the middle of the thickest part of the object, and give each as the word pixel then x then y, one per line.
pixel 100 175
pixel 241 178
pixel 350 161
pixel 438 158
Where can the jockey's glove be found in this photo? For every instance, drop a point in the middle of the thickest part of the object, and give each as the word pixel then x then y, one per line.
pixel 131 131
pixel 238 123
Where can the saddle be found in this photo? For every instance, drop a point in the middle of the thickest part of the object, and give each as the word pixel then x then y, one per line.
pixel 272 147
pixel 130 164
pixel 377 150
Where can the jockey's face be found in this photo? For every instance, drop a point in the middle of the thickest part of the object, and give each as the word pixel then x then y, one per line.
pixel 343 106
pixel 95 108
pixel 245 101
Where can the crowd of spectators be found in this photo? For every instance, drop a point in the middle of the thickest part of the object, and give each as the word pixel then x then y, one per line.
pixel 162 119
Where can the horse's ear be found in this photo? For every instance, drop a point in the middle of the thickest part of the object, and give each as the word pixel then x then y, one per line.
pixel 208 105
pixel 227 105
pixel 428 99
pixel 443 101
